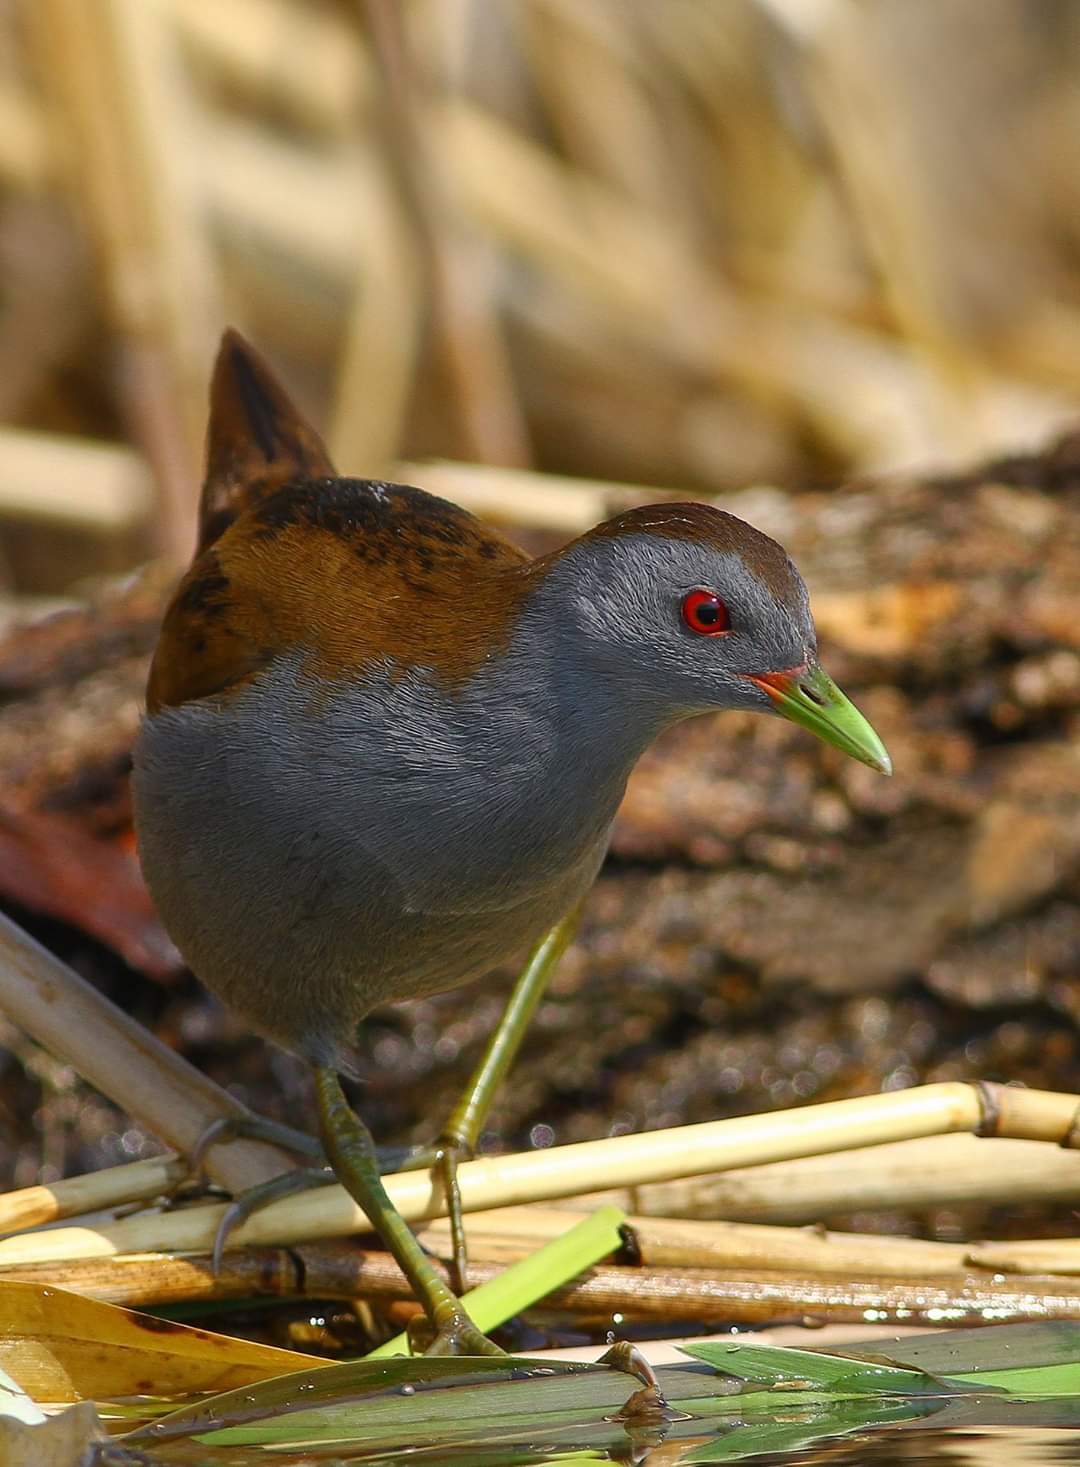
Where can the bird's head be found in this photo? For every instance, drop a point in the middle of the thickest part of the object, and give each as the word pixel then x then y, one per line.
pixel 696 611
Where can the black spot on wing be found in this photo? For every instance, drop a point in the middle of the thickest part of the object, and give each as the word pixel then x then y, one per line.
pixel 206 592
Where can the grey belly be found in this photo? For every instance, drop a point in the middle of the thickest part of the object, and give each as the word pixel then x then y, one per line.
pixel 278 897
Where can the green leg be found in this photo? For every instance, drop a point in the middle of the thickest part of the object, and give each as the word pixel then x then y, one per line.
pixel 457 1141
pixel 352 1155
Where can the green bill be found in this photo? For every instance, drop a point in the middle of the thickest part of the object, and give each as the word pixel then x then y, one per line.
pixel 810 697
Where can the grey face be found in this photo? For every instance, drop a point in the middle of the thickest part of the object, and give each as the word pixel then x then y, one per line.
pixel 623 603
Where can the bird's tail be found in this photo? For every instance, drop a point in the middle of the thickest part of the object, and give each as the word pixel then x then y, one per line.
pixel 257 440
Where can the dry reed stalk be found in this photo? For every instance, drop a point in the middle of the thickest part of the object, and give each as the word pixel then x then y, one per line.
pixel 565 1171
pixel 254 46
pixel 131 142
pixel 588 238
pixel 893 179
pixel 303 206
pixel 383 334
pixel 520 497
pixel 744 1297
pixel 1036 1255
pixel 299 220
pixel 37 471
pixel 123 1060
pixel 466 326
pixel 938 1171
pixel 114 1186
pixel 916 1175
pixel 49 305
pixel 508 1233
pixel 849 82
pixel 587 63
pixel 601 1295
pixel 138 1279
pixel 27 153
pixel 308 207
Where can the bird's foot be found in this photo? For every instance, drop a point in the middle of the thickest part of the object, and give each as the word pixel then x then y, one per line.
pixel 302 1179
pixel 250 1127
pixel 258 1128
pixel 455 1334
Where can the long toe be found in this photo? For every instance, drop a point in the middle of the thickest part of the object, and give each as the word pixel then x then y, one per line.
pixel 248 1126
pixel 302 1179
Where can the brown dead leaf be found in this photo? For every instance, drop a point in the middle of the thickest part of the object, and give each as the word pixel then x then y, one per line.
pixel 61 1347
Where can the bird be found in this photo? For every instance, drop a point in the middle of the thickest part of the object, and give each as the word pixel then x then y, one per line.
pixel 383 747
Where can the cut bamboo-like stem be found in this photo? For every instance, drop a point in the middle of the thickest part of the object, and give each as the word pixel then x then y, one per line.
pixel 960 1300
pixel 123 1059
pixel 564 1171
pixel 37 471
pixel 918 1175
pixel 520 497
pixel 1035 1255
pixel 135 1280
pixel 736 1296
pixel 113 1186
pixel 507 1233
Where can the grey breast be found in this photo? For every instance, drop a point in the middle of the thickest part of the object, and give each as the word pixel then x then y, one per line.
pixel 315 852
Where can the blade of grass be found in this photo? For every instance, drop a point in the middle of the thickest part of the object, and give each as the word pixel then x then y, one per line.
pixel 476 1403
pixel 392 1404
pixel 774 1365
pixel 1028 1360
pixel 961 1351
pixel 522 1284
pixel 326 1396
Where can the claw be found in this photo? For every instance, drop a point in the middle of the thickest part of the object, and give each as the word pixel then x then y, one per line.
pixel 256 1198
pixel 230 1219
pixel 223 1129
pixel 254 1128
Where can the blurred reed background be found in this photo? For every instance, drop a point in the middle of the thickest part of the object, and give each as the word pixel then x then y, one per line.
pixel 689 244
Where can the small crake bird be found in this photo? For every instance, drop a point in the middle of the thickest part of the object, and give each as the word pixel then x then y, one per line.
pixel 383 747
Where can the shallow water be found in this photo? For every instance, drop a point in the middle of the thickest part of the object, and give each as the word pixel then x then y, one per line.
pixel 679 1444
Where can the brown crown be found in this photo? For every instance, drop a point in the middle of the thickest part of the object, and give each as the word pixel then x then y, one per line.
pixel 720 531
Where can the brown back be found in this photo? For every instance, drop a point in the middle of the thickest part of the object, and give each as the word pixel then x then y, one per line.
pixel 291 557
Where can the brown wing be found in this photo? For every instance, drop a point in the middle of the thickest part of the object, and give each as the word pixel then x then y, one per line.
pixel 256 440
pixel 291 557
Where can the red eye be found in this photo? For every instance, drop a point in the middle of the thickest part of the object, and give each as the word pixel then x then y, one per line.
pixel 705 613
